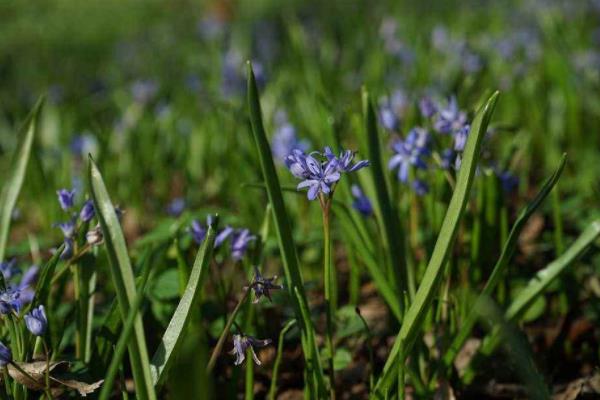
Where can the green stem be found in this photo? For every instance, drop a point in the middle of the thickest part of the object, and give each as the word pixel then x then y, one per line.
pixel 328 283
pixel 217 350
pixel 273 387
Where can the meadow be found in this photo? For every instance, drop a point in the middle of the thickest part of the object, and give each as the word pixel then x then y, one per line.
pixel 229 199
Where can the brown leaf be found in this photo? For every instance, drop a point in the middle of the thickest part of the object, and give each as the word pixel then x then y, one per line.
pixel 83 388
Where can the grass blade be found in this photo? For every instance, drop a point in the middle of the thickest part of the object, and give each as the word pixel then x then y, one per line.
pixel 416 313
pixel 283 230
pixel 14 181
pixel 273 386
pixel 505 256
pixel 44 283
pixel 393 238
pixel 174 334
pixel 123 280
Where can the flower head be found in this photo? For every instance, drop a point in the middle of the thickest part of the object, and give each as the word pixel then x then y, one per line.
pixel 262 286
pixel 361 202
pixel 410 152
pixel 36 321
pixel 5 355
pixel 87 211
pixel 322 176
pixel 241 343
pixel 10 301
pixel 66 198
pixel 240 239
pixel 450 118
pixel 176 207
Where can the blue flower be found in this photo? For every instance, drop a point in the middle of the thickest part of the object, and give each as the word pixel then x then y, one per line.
pixel 10 301
pixel 176 207
pixel 285 139
pixel 66 198
pixel 296 163
pixel 197 231
pixel 410 152
pixel 67 228
pixel 5 355
pixel 344 162
pixel 450 118
pixel 322 177
pixel 392 109
pixel 9 269
pixel 241 343
pixel 420 187
pixel 361 202
pixel 240 239
pixel 460 137
pixel 68 250
pixel 36 321
pixel 508 181
pixel 87 211
pixel 223 235
pixel 427 107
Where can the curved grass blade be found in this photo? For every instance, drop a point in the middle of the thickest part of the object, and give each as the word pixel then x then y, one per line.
pixel 415 315
pixel 14 181
pixel 393 238
pixel 282 225
pixel 536 287
pixel 505 256
pixel 273 387
pixel 123 280
pixel 115 363
pixel 174 334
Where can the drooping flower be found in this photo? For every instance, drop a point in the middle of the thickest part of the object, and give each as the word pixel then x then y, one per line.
pixel 66 198
pixel 262 286
pixel 450 118
pixel 361 202
pixel 5 355
pixel 36 321
pixel 240 239
pixel 241 343
pixel 410 152
pixel 87 211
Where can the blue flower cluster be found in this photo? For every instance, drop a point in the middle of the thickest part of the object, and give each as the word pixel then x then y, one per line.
pixel 19 292
pixel 321 171
pixel 240 238
pixel 66 199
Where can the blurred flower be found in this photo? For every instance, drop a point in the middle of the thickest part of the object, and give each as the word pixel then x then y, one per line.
pixel 285 139
pixel 241 343
pixel 26 285
pixel 410 152
pixel 36 321
pixel 460 138
pixel 65 198
pixel 67 228
pixel 361 202
pixel 87 211
pixel 197 231
pixel 9 269
pixel 223 235
pixel 427 107
pixel 176 207
pixel 450 118
pixel 240 239
pixel 508 181
pixel 94 237
pixel 10 301
pixel 447 159
pixel 84 144
pixel 144 90
pixel 392 110
pixel 68 250
pixel 262 286
pixel 420 187
pixel 5 355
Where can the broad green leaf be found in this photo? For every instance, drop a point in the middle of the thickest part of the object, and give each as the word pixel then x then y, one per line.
pixel 283 230
pixel 419 308
pixel 14 180
pixel 123 280
pixel 505 256
pixel 173 336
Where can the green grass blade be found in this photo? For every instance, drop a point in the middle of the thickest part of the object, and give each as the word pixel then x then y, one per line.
pixel 115 363
pixel 123 280
pixel 536 287
pixel 174 335
pixel 14 181
pixel 505 256
pixel 415 315
pixel 276 364
pixel 282 225
pixel 44 283
pixel 393 238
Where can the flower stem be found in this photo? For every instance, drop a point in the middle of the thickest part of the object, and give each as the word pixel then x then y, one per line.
pixel 221 342
pixel 329 288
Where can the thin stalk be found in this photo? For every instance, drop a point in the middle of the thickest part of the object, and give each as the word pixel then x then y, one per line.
pixel 277 363
pixel 218 348
pixel 328 283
